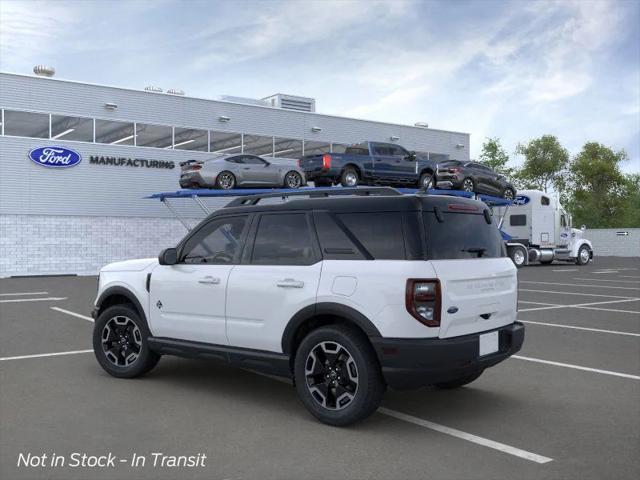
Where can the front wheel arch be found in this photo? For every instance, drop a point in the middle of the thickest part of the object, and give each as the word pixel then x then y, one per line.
pixel 117 295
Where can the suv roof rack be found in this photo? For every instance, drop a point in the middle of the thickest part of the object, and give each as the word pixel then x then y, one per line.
pixel 314 193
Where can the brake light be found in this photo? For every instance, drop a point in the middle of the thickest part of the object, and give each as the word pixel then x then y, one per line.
pixel 197 166
pixel 298 162
pixel 423 301
pixel 326 161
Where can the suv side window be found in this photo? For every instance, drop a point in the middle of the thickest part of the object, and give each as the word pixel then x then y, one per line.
pixel 283 239
pixel 381 234
pixel 218 242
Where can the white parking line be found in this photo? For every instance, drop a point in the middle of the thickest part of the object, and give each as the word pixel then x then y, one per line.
pixel 637 282
pixel 23 293
pixel 597 330
pixel 533 457
pixel 583 285
pixel 576 293
pixel 609 310
pixel 46 299
pixel 539 303
pixel 39 355
pixel 73 314
pixel 584 305
pixel 629 276
pixel 566 270
pixel 578 367
pixel 446 430
pixel 607 271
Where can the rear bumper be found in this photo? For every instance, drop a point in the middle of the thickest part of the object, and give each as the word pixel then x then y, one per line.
pixel 190 180
pixel 315 173
pixel 412 363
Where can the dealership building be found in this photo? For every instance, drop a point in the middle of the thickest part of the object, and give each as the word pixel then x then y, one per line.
pixel 128 145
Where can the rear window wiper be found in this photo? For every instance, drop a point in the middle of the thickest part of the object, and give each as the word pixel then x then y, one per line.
pixel 479 250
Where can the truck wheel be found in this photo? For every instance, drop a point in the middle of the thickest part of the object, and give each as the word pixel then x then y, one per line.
pixel 426 181
pixel 120 342
pixel 518 256
pixel 349 177
pixel 225 180
pixel 468 185
pixel 459 382
pixel 584 255
pixel 337 375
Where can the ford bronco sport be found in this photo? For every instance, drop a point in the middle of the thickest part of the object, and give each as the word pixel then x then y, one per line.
pixel 345 295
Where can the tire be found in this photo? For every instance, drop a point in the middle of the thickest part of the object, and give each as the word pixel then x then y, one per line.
pixel 292 179
pixel 225 180
pixel 508 194
pixel 349 177
pixel 468 185
pixel 426 181
pixel 458 382
pixel 518 256
pixel 132 338
pixel 354 376
pixel 584 255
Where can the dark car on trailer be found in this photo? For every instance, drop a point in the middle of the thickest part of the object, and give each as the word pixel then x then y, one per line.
pixel 473 177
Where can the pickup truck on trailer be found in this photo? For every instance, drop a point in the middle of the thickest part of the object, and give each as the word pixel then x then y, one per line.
pixel 369 163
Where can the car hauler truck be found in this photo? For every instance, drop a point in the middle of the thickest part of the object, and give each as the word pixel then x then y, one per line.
pixel 538 229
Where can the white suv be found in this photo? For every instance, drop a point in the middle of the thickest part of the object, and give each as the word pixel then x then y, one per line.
pixel 345 295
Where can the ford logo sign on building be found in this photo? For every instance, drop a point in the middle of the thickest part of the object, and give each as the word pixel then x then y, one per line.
pixel 55 157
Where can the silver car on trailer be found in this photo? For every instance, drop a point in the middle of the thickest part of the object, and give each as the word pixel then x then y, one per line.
pixel 241 170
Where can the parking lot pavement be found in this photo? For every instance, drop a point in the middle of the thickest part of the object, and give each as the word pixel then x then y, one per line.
pixel 577 416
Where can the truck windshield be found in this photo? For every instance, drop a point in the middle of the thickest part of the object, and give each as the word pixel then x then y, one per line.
pixel 461 235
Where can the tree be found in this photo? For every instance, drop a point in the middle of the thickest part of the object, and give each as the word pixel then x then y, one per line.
pixel 599 193
pixel 495 157
pixel 630 215
pixel 545 163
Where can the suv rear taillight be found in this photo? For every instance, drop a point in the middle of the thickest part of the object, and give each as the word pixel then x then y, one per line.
pixel 326 161
pixel 423 301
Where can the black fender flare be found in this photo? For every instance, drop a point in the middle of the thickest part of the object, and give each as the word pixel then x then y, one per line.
pixel 325 308
pixel 124 292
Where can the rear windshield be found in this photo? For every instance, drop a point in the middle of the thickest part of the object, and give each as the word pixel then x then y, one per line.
pixel 461 235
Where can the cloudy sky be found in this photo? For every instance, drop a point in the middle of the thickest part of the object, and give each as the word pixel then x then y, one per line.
pixel 515 70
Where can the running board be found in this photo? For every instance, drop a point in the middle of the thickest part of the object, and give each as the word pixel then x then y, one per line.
pixel 266 362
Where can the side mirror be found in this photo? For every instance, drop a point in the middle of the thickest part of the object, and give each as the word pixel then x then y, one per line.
pixel 583 228
pixel 411 157
pixel 168 256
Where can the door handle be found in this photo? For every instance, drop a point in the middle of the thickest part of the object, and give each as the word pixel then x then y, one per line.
pixel 290 283
pixel 209 280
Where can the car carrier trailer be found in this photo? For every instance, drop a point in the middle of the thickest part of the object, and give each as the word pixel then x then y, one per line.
pixel 522 251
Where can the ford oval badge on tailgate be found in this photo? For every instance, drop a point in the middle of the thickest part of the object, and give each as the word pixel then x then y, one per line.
pixel 55 157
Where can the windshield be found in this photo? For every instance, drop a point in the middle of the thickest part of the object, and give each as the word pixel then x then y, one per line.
pixel 462 235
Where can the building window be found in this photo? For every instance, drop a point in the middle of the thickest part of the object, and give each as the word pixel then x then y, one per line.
pixel 26 124
pixel 114 133
pixel 258 145
pixel 287 148
pixel 190 139
pixel 316 148
pixel 158 136
pixel 225 143
pixel 71 128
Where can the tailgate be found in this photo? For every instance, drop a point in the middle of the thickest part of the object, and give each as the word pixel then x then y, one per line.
pixel 484 291
pixel 311 162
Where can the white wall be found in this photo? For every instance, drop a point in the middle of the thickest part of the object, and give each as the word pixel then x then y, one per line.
pixel 608 242
pixel 52 244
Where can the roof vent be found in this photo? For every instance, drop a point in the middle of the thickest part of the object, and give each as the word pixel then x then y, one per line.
pixel 292 102
pixel 421 124
pixel 44 71
pixel 151 88
pixel 175 91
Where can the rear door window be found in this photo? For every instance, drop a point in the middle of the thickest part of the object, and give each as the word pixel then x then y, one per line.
pixel 283 239
pixel 461 235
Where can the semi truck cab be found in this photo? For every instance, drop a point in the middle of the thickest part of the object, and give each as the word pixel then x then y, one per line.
pixel 540 230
